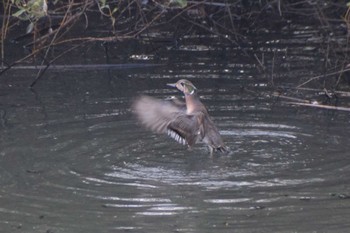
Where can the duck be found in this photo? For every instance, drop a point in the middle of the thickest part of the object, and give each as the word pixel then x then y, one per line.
pixel 186 122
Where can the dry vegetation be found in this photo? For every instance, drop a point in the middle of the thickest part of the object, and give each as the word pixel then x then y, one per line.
pixel 54 24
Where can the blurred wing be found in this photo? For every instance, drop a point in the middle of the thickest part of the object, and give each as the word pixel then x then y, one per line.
pixel 185 129
pixel 155 114
pixel 178 103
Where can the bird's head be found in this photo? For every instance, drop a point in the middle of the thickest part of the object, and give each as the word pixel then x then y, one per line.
pixel 185 86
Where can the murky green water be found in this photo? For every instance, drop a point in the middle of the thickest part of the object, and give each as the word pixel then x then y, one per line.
pixel 73 159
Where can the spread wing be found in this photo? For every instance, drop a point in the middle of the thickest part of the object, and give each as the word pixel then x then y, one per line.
pixel 155 114
pixel 167 116
pixel 184 128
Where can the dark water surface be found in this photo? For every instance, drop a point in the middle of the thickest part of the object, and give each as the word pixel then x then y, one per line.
pixel 73 159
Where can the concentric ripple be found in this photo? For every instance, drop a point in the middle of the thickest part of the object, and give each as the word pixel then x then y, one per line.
pixel 66 167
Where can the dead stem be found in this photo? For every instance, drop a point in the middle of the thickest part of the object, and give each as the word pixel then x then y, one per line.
pixel 261 62
pixel 42 71
pixel 290 98
pixel 4 28
pixel 134 18
pixel 322 76
pixel 273 69
pixel 320 106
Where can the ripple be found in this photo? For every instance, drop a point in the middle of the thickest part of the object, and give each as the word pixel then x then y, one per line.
pixel 86 160
pixel 259 133
pixel 165 210
pixel 227 201
pixel 175 177
pixel 140 200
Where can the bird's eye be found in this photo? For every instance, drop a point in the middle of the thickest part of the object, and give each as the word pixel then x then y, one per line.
pixel 182 84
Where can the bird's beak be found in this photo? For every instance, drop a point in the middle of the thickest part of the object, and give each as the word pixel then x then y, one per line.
pixel 171 84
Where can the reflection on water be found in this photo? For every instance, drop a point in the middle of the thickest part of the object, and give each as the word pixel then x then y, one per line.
pixel 73 158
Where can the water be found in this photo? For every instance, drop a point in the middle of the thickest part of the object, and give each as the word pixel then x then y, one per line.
pixel 73 158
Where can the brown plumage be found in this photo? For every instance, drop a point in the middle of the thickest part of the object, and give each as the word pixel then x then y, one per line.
pixel 188 123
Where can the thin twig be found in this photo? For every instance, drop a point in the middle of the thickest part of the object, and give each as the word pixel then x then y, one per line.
pixel 320 106
pixel 42 71
pixel 290 98
pixel 324 75
pixel 259 61
pixel 343 93
pixel 273 69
